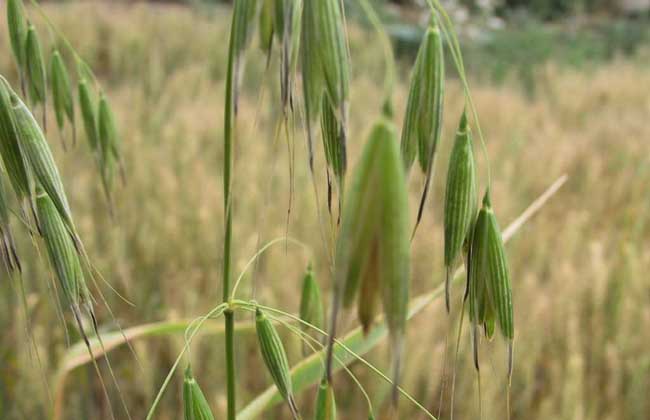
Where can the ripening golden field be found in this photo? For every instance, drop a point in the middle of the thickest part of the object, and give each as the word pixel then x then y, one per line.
pixel 579 267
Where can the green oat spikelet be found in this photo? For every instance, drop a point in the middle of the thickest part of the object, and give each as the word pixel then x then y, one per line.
pixel 311 301
pixel 266 26
pixel 376 215
pixel 109 139
pixel 37 151
pixel 241 29
pixel 431 107
pixel 423 119
pixel 431 97
pixel 312 78
pixel 88 114
pixel 284 21
pixel 61 94
pixel 333 141
pixel 330 33
pixel 329 40
pixel 498 274
pixel 275 359
pixel 478 296
pixel 7 245
pixel 490 290
pixel 409 139
pixel 195 406
pixel 460 200
pixel 369 290
pixel 15 163
pixel 325 402
pixel 17 25
pixel 62 253
pixel 36 74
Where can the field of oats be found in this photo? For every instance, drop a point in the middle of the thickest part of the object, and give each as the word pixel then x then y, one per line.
pixel 579 267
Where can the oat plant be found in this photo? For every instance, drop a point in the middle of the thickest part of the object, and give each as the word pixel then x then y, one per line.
pixel 370 254
pixel 369 246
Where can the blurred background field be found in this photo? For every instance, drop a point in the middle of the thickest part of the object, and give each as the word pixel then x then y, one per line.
pixel 561 87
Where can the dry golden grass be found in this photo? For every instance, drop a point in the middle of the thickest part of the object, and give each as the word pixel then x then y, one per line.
pixel 579 268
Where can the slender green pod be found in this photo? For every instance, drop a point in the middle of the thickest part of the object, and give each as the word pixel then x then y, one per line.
pixel 311 71
pixel 499 274
pixel 311 302
pixel 431 98
pixel 279 17
pixel 275 359
pixel 499 283
pixel 477 274
pixel 243 23
pixel 15 163
pixel 62 252
pixel 409 140
pixel 369 296
pixel 490 292
pixel 284 10
pixel 460 199
pixel 195 405
pixel 330 33
pixel 109 140
pixel 7 245
pixel 325 402
pixel 35 64
pixel 477 262
pixel 88 115
pixel 61 92
pixel 333 140
pixel 241 29
pixel 266 25
pixel 17 25
pixel 38 153
pixel 375 220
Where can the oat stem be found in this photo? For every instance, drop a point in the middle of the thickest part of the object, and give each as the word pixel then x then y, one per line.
pixel 227 168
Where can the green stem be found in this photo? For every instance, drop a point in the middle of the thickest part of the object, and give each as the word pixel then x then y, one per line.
pixel 229 316
pixel 227 244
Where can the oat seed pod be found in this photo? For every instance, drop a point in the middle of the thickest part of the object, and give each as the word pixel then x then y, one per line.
pixel 15 163
pixel 266 25
pixel 109 140
pixel 325 403
pixel 311 302
pixel 284 23
pixel 333 140
pixel 499 274
pixel 243 23
pixel 88 114
pixel 330 33
pixel 376 215
pixel 61 91
pixel 241 28
pixel 275 359
pixel 35 67
pixel 62 252
pixel 368 300
pixel 431 98
pixel 17 25
pixel 195 406
pixel 38 154
pixel 311 71
pixel 460 200
pixel 478 269
pixel 409 141
pixel 7 245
